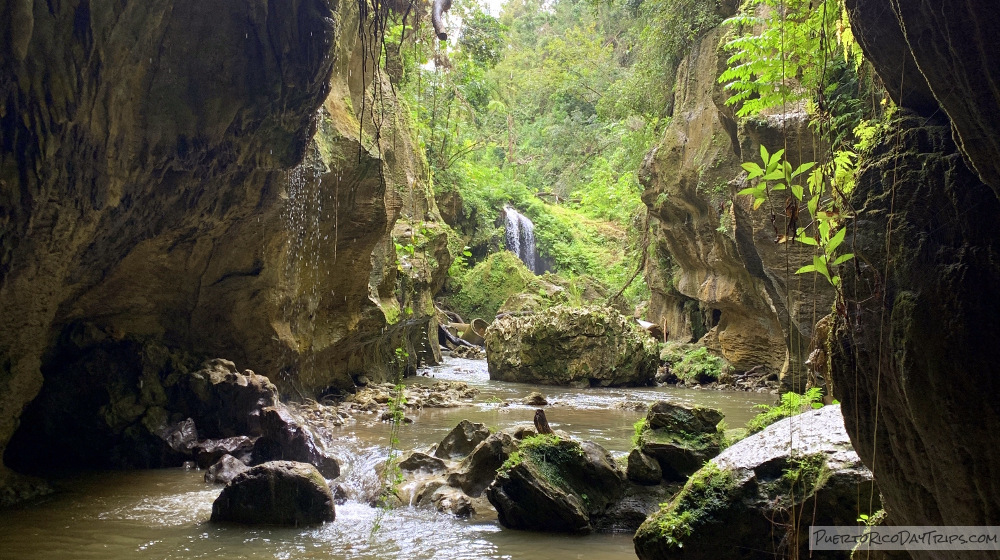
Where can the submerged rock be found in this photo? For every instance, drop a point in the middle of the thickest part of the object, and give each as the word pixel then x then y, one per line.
pixel 554 484
pixel 225 470
pixel 571 346
pixel 276 493
pixel 751 496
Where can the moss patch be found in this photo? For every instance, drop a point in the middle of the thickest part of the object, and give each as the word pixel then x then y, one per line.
pixel 691 363
pixel 706 492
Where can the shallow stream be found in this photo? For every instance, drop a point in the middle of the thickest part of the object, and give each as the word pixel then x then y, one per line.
pixel 163 514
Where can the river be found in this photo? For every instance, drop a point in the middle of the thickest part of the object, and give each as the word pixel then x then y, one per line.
pixel 163 514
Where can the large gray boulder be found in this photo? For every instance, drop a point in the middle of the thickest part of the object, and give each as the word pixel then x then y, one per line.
pixel 748 502
pixel 571 346
pixel 554 484
pixel 276 493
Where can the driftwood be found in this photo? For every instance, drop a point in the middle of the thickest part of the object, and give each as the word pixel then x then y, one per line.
pixel 452 339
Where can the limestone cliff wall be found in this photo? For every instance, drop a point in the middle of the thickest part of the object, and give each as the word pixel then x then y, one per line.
pixel 716 269
pixel 198 174
pixel 914 359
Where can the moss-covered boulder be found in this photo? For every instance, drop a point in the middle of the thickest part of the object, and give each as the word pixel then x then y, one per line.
pixel 554 484
pixel 748 501
pixel 502 282
pixel 679 439
pixel 571 346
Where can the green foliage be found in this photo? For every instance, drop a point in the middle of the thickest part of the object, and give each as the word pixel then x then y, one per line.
pixel 789 405
pixel 783 51
pixel 483 289
pixel 824 194
pixel 705 492
pixel 690 363
pixel 639 427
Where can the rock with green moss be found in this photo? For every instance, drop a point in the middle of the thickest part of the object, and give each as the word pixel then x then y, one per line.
pixel 557 485
pixel 680 439
pixel 571 346
pixel 748 502
pixel 502 282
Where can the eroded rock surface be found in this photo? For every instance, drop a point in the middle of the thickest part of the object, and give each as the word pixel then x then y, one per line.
pixel 743 503
pixel 569 346
pixel 182 175
pixel 678 440
pixel 556 484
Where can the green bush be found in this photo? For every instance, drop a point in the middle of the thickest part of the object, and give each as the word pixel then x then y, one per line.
pixel 690 363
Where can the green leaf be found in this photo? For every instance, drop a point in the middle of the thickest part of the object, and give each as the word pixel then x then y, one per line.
pixel 837 239
pixel 805 269
pixel 798 191
pixel 803 168
pixel 778 187
pixel 843 258
pixel 748 190
pixel 757 202
pixel 773 176
pixel 764 155
pixel 753 169
pixel 806 240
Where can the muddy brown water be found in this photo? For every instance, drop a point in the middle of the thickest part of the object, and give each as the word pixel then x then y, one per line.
pixel 163 514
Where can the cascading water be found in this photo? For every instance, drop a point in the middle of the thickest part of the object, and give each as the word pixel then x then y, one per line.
pixel 520 238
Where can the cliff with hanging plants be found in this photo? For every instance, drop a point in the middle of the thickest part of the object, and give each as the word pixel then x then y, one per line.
pixel 745 188
pixel 181 181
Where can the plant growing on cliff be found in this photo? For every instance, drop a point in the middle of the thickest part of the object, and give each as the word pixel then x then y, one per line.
pixel 823 194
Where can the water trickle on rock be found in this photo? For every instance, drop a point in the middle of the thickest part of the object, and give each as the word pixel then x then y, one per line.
pixel 520 238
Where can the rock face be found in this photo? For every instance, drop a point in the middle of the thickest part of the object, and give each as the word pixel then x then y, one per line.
pixel 910 365
pixel 715 271
pixel 285 437
pixel 276 493
pixel 462 440
pixel 186 175
pixel 675 442
pixel 555 484
pixel 747 502
pixel 567 346
pixel 923 403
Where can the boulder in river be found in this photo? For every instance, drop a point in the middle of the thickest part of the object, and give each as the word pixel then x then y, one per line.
pixel 762 493
pixel 571 346
pixel 225 470
pixel 555 484
pixel 285 437
pixel 276 493
pixel 461 440
pixel 679 438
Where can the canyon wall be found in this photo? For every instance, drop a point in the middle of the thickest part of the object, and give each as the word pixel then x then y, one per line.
pixel 914 362
pixel 716 270
pixel 222 180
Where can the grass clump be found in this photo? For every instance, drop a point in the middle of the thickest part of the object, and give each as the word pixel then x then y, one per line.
pixel 791 404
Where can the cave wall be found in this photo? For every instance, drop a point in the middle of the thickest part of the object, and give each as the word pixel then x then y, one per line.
pixel 209 177
pixel 914 362
pixel 715 264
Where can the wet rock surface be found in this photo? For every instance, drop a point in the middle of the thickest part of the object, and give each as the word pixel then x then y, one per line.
pixel 747 497
pixel 570 346
pixel 462 440
pixel 679 439
pixel 556 485
pixel 225 470
pixel 276 493
pixel 286 437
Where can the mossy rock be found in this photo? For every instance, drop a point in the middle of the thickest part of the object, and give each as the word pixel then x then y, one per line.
pixel 501 281
pixel 680 438
pixel 557 485
pixel 745 502
pixel 571 346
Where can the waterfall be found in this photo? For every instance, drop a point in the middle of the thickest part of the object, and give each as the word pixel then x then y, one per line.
pixel 520 238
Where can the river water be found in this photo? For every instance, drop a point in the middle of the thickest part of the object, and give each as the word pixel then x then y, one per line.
pixel 163 514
